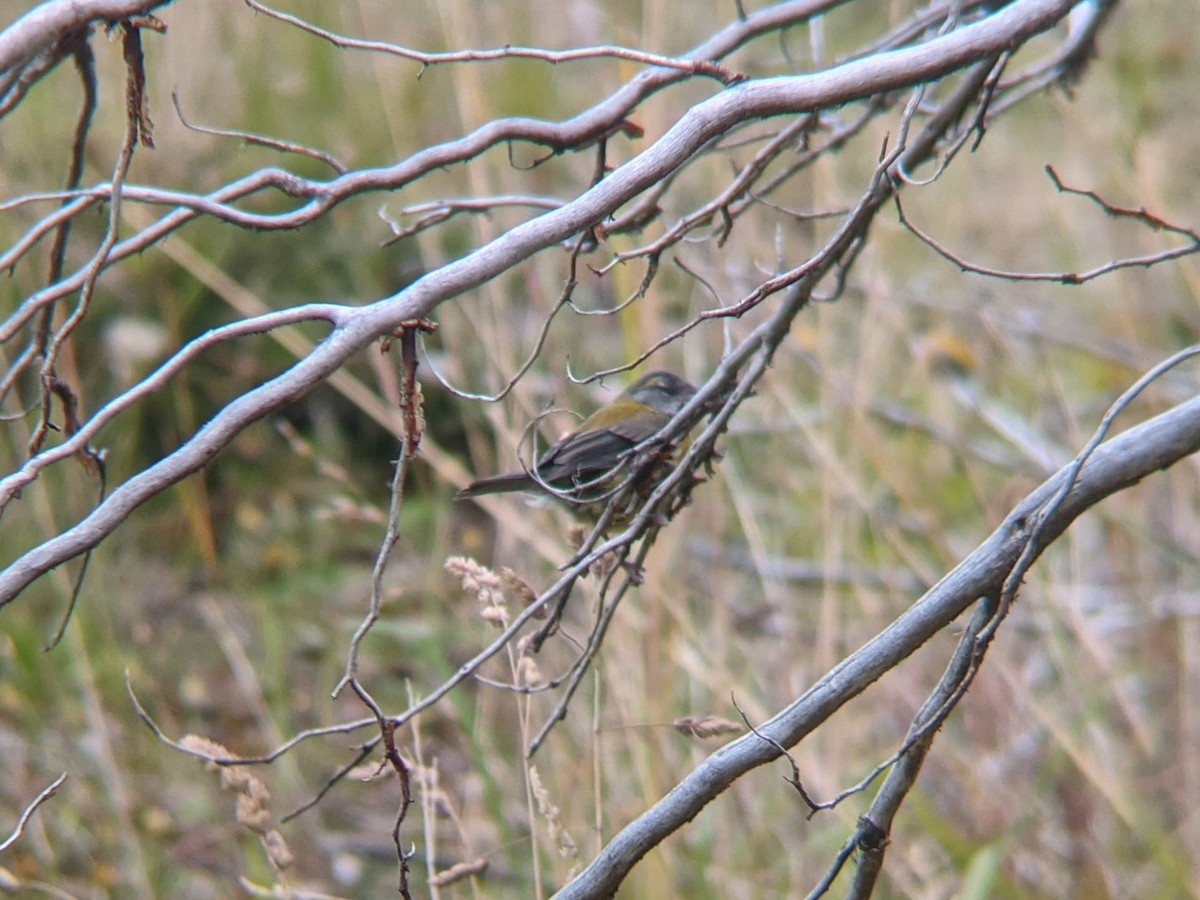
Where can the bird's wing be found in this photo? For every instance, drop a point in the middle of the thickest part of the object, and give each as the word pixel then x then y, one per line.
pixel 586 454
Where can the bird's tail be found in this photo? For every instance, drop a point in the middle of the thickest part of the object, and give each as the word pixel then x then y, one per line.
pixel 497 484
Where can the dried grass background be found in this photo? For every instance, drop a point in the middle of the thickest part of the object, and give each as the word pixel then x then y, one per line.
pixel 892 435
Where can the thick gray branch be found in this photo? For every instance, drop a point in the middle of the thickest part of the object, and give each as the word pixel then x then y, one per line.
pixel 42 26
pixel 1121 462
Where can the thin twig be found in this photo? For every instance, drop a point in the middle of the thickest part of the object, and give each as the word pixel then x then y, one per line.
pixel 259 140
pixel 49 791
pixel 554 57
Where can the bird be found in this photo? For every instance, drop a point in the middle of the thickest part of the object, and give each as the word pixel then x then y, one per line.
pixel 575 466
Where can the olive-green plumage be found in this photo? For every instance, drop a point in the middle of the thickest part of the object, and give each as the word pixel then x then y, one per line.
pixel 601 441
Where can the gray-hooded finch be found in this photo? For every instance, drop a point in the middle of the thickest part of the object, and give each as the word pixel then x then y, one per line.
pixel 584 456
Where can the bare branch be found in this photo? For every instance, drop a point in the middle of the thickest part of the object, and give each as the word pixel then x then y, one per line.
pixel 1126 459
pixel 438 211
pixel 49 791
pixel 48 22
pixel 12 484
pixel 555 57
pixel 1142 261
pixel 259 140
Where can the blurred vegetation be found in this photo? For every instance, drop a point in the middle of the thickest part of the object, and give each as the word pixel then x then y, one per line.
pixel 895 431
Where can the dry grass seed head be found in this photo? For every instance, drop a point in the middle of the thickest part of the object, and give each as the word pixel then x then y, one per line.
pixel 567 847
pixel 253 797
pixel 705 726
